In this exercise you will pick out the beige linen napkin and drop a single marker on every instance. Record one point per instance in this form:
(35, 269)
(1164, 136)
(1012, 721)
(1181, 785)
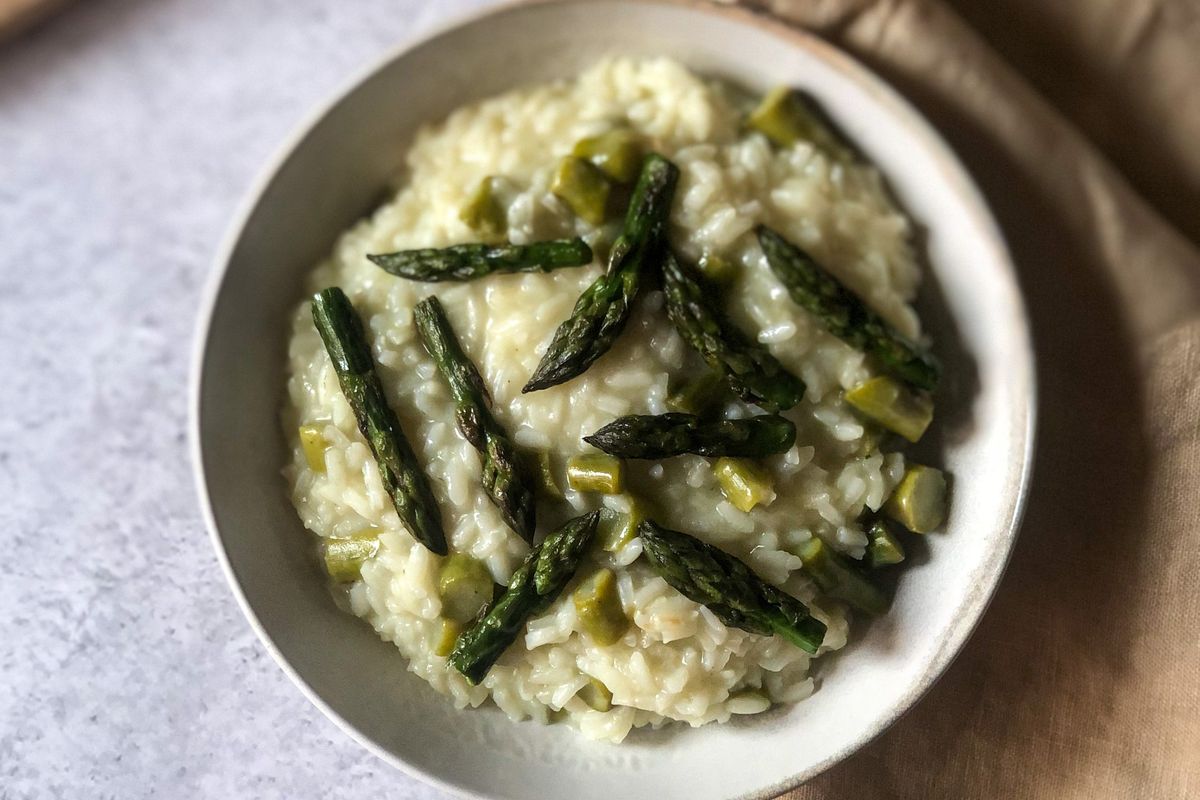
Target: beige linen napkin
(17, 15)
(1083, 680)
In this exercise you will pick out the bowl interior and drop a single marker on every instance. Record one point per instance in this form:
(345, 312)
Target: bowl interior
(335, 173)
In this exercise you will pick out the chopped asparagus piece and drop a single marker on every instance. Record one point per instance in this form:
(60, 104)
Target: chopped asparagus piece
(598, 605)
(617, 153)
(883, 548)
(485, 211)
(582, 186)
(893, 405)
(729, 588)
(619, 528)
(844, 314)
(344, 557)
(666, 435)
(718, 270)
(466, 262)
(596, 695)
(543, 471)
(919, 501)
(838, 579)
(342, 332)
(465, 586)
(786, 116)
(595, 472)
(698, 394)
(534, 587)
(743, 483)
(448, 631)
(313, 443)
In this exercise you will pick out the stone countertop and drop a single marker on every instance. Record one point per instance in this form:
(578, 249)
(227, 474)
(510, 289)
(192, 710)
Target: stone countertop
(129, 131)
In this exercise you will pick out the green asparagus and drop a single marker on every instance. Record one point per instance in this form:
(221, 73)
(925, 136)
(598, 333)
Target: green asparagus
(596, 695)
(465, 262)
(535, 585)
(595, 472)
(619, 528)
(617, 153)
(844, 314)
(598, 607)
(699, 393)
(344, 557)
(883, 548)
(753, 373)
(744, 483)
(718, 271)
(506, 477)
(893, 405)
(837, 578)
(485, 212)
(465, 586)
(786, 116)
(541, 463)
(919, 501)
(728, 587)
(314, 445)
(666, 435)
(604, 307)
(342, 332)
(583, 187)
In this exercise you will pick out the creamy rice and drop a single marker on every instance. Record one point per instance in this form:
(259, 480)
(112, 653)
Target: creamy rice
(676, 661)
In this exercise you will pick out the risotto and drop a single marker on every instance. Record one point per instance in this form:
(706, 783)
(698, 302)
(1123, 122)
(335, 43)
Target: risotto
(670, 657)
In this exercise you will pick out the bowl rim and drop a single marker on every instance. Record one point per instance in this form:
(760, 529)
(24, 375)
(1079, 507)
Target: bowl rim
(882, 92)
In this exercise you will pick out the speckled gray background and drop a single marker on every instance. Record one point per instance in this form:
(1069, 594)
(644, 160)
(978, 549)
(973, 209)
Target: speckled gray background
(129, 131)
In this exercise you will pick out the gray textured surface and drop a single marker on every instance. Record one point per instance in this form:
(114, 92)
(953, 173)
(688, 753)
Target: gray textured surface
(128, 133)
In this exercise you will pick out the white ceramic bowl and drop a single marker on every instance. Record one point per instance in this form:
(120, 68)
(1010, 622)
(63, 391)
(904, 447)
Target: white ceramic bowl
(333, 172)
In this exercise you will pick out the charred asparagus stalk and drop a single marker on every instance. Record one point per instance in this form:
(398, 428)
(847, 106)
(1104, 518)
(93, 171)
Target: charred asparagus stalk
(466, 262)
(753, 373)
(533, 588)
(604, 307)
(342, 332)
(728, 587)
(506, 478)
(844, 314)
(666, 435)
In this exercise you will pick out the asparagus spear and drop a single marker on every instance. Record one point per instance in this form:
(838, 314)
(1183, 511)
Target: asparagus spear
(342, 332)
(533, 588)
(506, 478)
(666, 435)
(753, 373)
(560, 554)
(604, 307)
(465, 262)
(846, 316)
(728, 587)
